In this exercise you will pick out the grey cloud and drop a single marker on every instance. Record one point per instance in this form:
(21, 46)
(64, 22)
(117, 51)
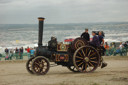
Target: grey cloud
(63, 11)
(5, 1)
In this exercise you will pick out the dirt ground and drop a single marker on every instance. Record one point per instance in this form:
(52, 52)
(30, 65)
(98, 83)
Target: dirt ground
(116, 73)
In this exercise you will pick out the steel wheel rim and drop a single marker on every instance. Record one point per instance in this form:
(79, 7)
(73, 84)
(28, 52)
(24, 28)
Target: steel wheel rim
(86, 59)
(29, 65)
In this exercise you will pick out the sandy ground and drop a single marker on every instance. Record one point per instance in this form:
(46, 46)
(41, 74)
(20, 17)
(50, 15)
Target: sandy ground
(15, 73)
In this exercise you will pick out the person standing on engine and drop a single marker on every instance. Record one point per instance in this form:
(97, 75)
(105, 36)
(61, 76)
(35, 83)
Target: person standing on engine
(95, 43)
(101, 41)
(101, 38)
(95, 40)
(86, 35)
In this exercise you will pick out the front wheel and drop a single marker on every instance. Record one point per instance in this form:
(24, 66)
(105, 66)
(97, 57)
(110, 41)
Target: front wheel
(40, 65)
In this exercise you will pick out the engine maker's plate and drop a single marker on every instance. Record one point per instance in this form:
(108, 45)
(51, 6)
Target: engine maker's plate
(62, 47)
(62, 57)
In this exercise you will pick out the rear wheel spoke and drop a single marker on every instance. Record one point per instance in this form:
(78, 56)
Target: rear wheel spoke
(80, 64)
(89, 53)
(86, 51)
(79, 57)
(83, 52)
(93, 61)
(92, 54)
(91, 64)
(93, 58)
(86, 66)
(78, 60)
(80, 54)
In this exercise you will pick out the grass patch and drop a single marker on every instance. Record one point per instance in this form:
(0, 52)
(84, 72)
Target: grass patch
(95, 84)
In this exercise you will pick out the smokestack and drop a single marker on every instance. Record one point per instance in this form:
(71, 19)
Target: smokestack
(40, 33)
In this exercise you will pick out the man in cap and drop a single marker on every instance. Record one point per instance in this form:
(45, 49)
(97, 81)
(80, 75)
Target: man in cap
(86, 35)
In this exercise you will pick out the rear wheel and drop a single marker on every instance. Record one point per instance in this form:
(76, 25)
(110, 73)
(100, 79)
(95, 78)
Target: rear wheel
(40, 65)
(86, 59)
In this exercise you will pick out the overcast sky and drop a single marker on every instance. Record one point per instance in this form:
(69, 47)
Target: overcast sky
(63, 11)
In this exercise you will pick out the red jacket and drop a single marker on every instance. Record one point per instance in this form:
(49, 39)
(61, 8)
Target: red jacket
(28, 50)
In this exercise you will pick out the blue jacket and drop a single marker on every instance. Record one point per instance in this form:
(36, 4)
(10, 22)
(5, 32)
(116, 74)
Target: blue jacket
(32, 52)
(95, 41)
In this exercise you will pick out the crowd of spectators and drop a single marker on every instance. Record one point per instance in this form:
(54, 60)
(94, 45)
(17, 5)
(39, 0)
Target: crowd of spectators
(114, 49)
(18, 53)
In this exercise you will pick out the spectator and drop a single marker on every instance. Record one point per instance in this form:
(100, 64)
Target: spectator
(32, 52)
(0, 56)
(117, 51)
(11, 54)
(28, 52)
(125, 45)
(21, 52)
(106, 46)
(16, 53)
(121, 47)
(6, 54)
(125, 49)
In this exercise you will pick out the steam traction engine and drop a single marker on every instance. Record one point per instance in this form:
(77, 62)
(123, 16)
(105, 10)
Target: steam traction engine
(78, 56)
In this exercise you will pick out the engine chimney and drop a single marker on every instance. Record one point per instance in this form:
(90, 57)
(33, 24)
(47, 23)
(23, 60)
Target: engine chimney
(40, 36)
